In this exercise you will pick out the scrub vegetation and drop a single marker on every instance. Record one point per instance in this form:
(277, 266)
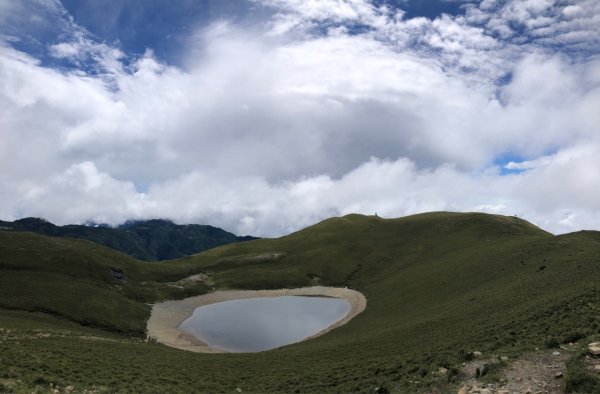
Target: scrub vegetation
(439, 286)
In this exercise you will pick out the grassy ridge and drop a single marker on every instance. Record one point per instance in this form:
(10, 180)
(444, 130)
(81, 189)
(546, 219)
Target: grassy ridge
(438, 286)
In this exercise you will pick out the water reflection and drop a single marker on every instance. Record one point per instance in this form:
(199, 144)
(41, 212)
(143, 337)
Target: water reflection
(256, 324)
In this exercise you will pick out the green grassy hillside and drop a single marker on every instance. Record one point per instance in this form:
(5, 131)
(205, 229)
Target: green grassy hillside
(438, 286)
(84, 282)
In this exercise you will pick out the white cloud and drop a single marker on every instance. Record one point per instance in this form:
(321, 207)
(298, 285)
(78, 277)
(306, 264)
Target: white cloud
(306, 14)
(542, 23)
(572, 10)
(105, 58)
(273, 128)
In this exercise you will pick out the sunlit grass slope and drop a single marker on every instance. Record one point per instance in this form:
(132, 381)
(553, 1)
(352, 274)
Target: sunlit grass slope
(438, 286)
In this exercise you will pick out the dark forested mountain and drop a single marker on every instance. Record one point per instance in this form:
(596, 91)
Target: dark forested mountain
(149, 240)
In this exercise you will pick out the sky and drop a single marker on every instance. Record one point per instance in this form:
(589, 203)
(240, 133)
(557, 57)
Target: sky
(265, 116)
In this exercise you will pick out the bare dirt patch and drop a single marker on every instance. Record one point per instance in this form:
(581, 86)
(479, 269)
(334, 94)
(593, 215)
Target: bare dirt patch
(166, 317)
(192, 280)
(539, 372)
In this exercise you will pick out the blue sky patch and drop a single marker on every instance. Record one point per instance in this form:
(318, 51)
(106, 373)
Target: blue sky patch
(427, 8)
(503, 159)
(163, 26)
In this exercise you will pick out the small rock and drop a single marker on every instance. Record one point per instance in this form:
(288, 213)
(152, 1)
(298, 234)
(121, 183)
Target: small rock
(485, 391)
(463, 390)
(69, 389)
(239, 390)
(442, 370)
(477, 354)
(558, 375)
(594, 348)
(528, 391)
(555, 353)
(504, 358)
(597, 367)
(503, 391)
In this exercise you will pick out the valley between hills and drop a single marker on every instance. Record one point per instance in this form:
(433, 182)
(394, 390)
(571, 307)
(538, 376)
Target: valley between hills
(456, 302)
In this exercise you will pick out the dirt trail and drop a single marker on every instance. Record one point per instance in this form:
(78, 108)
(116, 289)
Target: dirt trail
(539, 372)
(166, 317)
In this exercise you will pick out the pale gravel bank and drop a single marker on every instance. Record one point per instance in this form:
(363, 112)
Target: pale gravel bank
(166, 317)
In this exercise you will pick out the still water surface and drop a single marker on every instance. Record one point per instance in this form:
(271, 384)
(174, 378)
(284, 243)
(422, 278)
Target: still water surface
(257, 324)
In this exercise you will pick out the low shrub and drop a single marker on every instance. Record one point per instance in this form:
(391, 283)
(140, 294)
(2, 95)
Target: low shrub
(552, 343)
(580, 381)
(573, 336)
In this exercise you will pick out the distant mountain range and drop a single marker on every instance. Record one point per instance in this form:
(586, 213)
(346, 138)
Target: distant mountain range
(149, 240)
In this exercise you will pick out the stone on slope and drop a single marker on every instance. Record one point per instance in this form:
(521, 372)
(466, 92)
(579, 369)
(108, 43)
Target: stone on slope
(594, 348)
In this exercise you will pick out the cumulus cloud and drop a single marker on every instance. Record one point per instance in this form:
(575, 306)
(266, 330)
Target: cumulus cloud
(322, 109)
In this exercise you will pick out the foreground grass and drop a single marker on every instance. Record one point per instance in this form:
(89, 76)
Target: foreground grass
(438, 287)
(579, 378)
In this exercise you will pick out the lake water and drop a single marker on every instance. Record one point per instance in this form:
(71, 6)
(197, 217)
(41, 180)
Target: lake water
(257, 324)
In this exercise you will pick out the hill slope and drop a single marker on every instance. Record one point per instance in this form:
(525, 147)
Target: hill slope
(438, 285)
(149, 240)
(83, 281)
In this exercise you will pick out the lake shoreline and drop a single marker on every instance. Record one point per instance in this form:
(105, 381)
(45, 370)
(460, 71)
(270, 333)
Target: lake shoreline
(166, 317)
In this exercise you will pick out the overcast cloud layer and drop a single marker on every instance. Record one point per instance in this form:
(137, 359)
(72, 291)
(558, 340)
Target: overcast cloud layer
(316, 109)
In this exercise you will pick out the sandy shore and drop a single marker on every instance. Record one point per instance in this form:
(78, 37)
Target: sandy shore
(166, 317)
